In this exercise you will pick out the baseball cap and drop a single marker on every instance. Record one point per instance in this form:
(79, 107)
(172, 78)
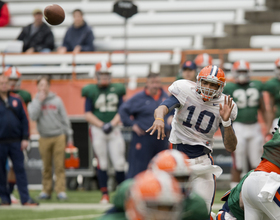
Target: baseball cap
(37, 11)
(189, 65)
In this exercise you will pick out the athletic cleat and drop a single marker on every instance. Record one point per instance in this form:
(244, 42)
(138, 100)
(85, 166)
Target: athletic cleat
(105, 199)
(14, 200)
(5, 204)
(31, 202)
(43, 196)
(61, 196)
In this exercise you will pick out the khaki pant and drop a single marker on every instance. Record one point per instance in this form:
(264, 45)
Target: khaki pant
(52, 149)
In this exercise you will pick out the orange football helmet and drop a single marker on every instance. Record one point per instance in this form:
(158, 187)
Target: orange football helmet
(202, 60)
(12, 73)
(175, 163)
(154, 195)
(277, 68)
(103, 73)
(240, 70)
(212, 74)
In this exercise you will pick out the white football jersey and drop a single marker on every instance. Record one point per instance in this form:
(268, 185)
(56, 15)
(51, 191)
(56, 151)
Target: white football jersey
(195, 121)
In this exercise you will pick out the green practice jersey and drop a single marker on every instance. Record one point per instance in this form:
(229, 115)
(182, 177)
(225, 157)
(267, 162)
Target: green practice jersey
(24, 95)
(194, 207)
(273, 87)
(271, 149)
(247, 98)
(233, 199)
(105, 101)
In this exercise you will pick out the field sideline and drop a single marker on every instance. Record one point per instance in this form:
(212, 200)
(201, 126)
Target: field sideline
(80, 205)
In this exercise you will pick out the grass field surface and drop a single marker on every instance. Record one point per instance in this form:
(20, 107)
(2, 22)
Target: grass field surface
(80, 205)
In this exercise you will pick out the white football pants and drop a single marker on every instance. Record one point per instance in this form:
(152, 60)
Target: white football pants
(255, 209)
(204, 185)
(249, 145)
(105, 145)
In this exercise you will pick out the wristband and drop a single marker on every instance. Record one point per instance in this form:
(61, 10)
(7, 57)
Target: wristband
(160, 119)
(226, 123)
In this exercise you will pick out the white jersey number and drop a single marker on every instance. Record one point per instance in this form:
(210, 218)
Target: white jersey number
(246, 98)
(199, 120)
(107, 103)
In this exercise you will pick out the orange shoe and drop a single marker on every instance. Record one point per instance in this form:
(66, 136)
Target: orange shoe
(30, 202)
(105, 199)
(14, 200)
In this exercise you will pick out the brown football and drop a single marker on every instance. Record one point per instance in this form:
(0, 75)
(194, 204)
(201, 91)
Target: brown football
(54, 14)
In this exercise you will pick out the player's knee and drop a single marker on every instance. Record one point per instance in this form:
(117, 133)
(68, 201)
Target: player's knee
(119, 166)
(102, 165)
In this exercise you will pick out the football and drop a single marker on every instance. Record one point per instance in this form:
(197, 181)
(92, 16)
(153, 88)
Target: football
(54, 14)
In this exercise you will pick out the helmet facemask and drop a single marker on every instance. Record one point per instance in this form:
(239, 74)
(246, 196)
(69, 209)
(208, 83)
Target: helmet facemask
(277, 72)
(103, 79)
(241, 76)
(208, 94)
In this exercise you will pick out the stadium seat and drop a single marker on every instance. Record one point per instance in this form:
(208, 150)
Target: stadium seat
(263, 41)
(254, 56)
(143, 6)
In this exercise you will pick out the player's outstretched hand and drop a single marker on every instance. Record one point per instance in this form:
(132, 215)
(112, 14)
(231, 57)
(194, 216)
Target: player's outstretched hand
(158, 126)
(225, 110)
(107, 128)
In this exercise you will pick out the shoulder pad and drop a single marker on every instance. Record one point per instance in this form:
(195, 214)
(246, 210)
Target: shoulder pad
(88, 90)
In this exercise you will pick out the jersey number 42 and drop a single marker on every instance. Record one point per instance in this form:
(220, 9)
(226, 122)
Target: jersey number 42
(107, 102)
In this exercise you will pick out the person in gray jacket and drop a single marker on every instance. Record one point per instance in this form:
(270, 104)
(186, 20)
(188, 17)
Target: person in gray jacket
(53, 125)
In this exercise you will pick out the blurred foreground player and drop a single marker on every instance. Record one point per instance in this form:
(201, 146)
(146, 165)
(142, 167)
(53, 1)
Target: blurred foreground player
(247, 94)
(14, 81)
(14, 135)
(261, 189)
(101, 111)
(176, 164)
(200, 109)
(150, 195)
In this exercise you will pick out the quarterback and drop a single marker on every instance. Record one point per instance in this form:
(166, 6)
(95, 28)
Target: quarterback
(101, 111)
(200, 109)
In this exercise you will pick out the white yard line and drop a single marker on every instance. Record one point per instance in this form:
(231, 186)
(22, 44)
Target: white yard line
(73, 217)
(68, 206)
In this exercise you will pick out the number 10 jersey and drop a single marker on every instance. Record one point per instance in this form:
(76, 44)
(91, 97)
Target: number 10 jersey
(195, 121)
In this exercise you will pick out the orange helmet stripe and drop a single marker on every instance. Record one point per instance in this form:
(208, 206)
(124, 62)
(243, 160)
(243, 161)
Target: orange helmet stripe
(12, 73)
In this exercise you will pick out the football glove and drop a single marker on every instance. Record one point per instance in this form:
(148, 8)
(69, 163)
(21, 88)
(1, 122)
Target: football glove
(107, 128)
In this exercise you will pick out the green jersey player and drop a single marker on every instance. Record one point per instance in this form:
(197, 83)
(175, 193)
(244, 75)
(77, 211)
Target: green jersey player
(233, 208)
(272, 86)
(101, 111)
(248, 96)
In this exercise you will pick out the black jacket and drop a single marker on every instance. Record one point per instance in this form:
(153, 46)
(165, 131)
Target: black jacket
(43, 38)
(14, 122)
